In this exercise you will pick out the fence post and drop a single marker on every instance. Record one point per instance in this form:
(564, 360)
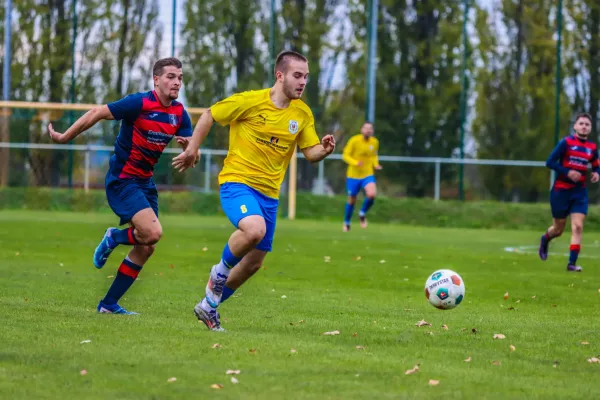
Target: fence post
(207, 172)
(437, 181)
(321, 179)
(86, 174)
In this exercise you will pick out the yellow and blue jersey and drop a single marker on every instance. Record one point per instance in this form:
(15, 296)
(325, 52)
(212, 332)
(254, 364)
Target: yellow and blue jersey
(262, 138)
(358, 149)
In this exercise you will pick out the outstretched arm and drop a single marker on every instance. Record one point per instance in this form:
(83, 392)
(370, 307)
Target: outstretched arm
(189, 157)
(319, 151)
(85, 122)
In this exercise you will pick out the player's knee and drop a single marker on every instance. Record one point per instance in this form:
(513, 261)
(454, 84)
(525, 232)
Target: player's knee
(577, 228)
(372, 195)
(256, 232)
(351, 200)
(152, 235)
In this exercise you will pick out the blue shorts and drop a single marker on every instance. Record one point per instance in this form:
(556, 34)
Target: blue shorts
(126, 197)
(239, 200)
(353, 185)
(568, 201)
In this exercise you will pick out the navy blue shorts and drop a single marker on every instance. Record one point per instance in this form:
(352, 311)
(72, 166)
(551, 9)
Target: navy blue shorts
(239, 200)
(568, 201)
(354, 185)
(126, 197)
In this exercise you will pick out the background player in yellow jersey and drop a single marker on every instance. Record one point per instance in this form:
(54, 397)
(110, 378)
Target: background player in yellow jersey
(360, 153)
(265, 127)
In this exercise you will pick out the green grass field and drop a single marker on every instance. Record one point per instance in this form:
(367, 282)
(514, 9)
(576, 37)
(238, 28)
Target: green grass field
(371, 291)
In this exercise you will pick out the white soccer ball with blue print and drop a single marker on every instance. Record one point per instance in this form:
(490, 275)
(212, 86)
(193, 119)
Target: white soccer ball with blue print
(445, 289)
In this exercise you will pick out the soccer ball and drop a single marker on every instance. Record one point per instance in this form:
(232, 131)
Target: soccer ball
(445, 289)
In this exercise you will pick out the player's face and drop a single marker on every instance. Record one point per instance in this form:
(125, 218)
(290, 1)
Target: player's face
(169, 82)
(295, 78)
(367, 130)
(582, 127)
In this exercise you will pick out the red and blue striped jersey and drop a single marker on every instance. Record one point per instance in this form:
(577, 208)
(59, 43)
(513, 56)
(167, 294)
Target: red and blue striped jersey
(147, 128)
(572, 153)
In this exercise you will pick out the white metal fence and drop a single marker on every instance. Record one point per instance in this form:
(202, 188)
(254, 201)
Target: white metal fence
(208, 154)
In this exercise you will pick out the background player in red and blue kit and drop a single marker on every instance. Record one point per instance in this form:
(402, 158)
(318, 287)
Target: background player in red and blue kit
(569, 195)
(149, 121)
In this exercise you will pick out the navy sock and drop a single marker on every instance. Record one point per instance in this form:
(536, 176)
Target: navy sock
(124, 236)
(348, 213)
(368, 203)
(126, 275)
(227, 292)
(229, 259)
(574, 253)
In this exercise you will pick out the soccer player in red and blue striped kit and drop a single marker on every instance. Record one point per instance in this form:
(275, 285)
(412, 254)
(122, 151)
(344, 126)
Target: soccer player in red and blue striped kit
(569, 194)
(149, 121)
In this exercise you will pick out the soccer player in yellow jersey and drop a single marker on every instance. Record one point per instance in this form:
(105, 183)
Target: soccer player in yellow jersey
(265, 127)
(360, 154)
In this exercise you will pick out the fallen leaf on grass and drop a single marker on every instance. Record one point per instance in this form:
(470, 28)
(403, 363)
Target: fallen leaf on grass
(518, 301)
(533, 297)
(357, 258)
(555, 364)
(584, 343)
(468, 359)
(510, 308)
(496, 362)
(434, 382)
(83, 372)
(332, 333)
(216, 345)
(474, 330)
(327, 259)
(233, 372)
(252, 351)
(234, 380)
(110, 276)
(17, 253)
(354, 334)
(445, 327)
(512, 348)
(594, 360)
(499, 336)
(506, 296)
(171, 266)
(173, 379)
(293, 351)
(284, 297)
(423, 323)
(205, 249)
(360, 348)
(85, 341)
(216, 386)
(383, 262)
(412, 370)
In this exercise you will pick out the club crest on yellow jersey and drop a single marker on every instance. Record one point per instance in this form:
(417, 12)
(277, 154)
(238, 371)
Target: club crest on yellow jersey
(293, 127)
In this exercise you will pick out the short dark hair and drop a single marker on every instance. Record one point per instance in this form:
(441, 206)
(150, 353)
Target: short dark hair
(584, 115)
(157, 69)
(369, 123)
(283, 59)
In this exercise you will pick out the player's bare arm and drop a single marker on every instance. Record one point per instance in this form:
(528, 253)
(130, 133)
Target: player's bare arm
(191, 154)
(85, 122)
(320, 151)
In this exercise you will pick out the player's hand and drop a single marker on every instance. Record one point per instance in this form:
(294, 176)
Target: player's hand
(595, 177)
(378, 167)
(574, 175)
(187, 159)
(56, 137)
(183, 141)
(328, 143)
